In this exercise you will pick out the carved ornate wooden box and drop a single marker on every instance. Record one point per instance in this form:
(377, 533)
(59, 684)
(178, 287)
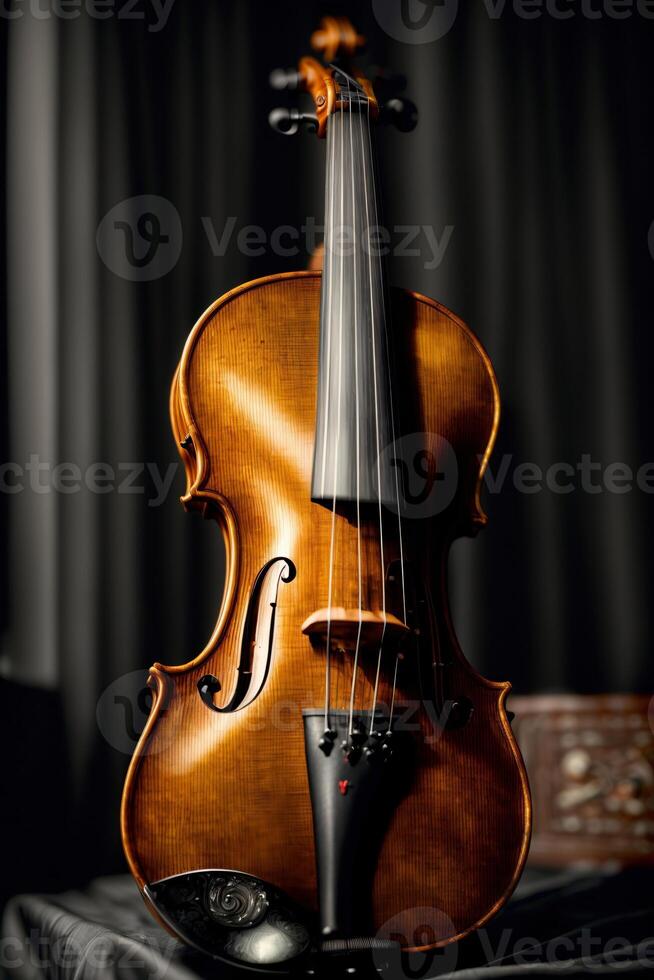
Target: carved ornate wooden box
(590, 761)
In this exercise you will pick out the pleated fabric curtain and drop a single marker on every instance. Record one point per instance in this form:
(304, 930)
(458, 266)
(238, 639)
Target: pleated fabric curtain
(533, 149)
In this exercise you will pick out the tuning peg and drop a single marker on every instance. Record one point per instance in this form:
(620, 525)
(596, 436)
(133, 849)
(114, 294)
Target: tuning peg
(288, 121)
(284, 78)
(402, 113)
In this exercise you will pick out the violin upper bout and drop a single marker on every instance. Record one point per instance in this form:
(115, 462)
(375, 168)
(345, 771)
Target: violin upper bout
(454, 406)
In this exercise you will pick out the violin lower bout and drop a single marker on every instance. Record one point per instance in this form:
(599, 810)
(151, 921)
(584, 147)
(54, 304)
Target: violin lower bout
(230, 790)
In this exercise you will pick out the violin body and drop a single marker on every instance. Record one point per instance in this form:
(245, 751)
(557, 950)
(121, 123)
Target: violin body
(231, 789)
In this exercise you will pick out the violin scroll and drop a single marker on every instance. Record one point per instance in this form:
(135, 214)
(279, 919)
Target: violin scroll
(335, 87)
(336, 37)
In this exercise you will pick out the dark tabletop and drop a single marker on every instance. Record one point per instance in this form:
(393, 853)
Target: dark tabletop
(565, 924)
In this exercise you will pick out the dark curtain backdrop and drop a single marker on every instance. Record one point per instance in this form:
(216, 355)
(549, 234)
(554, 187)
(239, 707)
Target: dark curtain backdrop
(534, 144)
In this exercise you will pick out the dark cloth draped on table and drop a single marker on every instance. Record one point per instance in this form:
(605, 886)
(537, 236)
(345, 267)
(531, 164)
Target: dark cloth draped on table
(571, 924)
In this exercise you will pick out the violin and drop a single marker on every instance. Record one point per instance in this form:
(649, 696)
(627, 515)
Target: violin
(329, 779)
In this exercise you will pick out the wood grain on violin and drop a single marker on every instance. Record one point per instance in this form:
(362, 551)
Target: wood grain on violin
(231, 791)
(330, 766)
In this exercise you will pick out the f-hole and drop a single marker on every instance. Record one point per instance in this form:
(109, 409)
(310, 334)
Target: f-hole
(256, 642)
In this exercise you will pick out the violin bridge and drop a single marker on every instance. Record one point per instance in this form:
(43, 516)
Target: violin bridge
(346, 625)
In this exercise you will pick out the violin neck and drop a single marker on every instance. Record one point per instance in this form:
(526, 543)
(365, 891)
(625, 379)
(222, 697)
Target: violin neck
(354, 419)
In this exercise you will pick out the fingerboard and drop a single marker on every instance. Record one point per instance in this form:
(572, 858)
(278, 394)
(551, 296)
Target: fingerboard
(354, 421)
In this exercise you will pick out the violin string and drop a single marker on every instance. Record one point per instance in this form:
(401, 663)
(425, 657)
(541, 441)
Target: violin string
(357, 413)
(379, 483)
(342, 321)
(342, 185)
(338, 429)
(328, 263)
(393, 437)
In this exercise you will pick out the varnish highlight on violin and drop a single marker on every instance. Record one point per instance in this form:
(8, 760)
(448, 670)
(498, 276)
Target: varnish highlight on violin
(330, 765)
